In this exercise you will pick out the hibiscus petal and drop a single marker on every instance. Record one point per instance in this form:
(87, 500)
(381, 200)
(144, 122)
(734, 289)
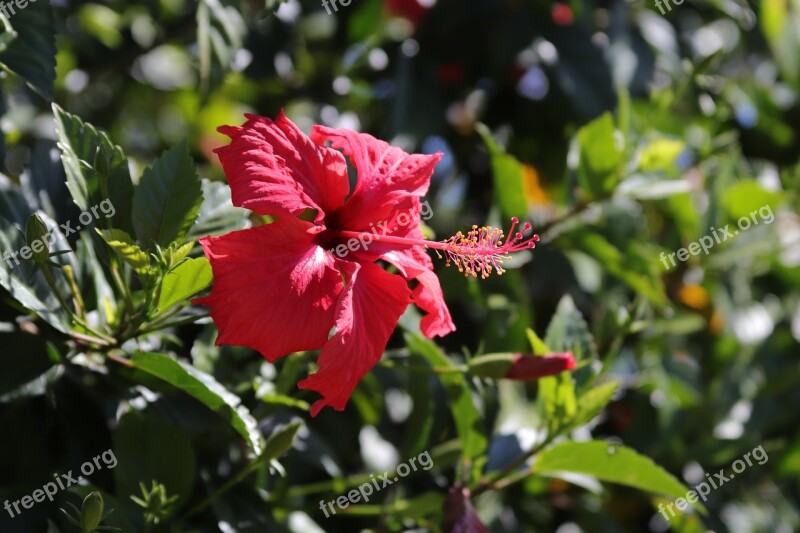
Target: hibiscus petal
(367, 313)
(386, 175)
(417, 264)
(274, 289)
(274, 169)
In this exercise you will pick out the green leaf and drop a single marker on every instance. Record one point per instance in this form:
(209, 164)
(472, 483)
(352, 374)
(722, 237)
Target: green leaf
(285, 401)
(220, 34)
(167, 199)
(32, 54)
(177, 253)
(7, 36)
(281, 441)
(592, 403)
(203, 388)
(421, 417)
(612, 463)
(556, 401)
(780, 20)
(537, 345)
(124, 246)
(79, 143)
(465, 413)
(365, 19)
(106, 303)
(508, 176)
(36, 233)
(601, 157)
(148, 449)
(745, 198)
(16, 276)
(619, 265)
(660, 155)
(186, 280)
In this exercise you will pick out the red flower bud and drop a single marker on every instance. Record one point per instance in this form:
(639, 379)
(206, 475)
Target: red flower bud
(526, 367)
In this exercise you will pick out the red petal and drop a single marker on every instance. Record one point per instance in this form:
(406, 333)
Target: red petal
(274, 169)
(367, 313)
(531, 367)
(274, 289)
(386, 176)
(416, 264)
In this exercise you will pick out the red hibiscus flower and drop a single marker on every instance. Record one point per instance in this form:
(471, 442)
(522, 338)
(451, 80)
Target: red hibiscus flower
(284, 287)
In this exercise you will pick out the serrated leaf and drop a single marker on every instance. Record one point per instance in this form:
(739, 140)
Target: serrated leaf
(32, 54)
(79, 142)
(220, 34)
(186, 280)
(507, 174)
(204, 388)
(125, 247)
(175, 253)
(610, 462)
(167, 199)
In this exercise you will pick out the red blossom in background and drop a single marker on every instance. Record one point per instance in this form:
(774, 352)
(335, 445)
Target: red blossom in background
(413, 10)
(562, 14)
(526, 367)
(279, 289)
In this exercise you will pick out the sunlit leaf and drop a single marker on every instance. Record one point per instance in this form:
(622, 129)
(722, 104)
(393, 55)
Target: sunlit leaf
(203, 388)
(167, 199)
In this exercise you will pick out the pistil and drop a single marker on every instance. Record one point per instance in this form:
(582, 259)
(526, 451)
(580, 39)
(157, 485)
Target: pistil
(480, 252)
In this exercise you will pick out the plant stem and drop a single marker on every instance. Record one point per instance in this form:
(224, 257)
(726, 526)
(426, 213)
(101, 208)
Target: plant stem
(504, 477)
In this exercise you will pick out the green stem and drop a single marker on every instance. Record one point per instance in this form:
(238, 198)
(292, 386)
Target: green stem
(51, 282)
(509, 474)
(156, 326)
(238, 478)
(461, 369)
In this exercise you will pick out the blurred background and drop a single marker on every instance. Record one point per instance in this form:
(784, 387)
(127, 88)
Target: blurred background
(621, 132)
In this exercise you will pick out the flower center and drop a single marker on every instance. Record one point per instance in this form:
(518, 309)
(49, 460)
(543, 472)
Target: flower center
(480, 252)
